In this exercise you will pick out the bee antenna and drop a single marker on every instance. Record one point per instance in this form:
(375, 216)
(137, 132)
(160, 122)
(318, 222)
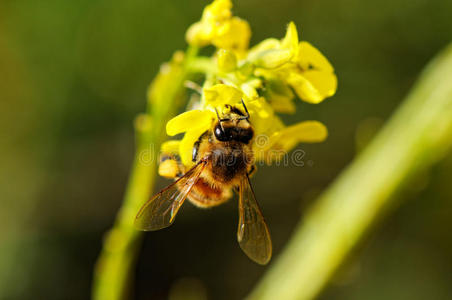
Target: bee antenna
(218, 115)
(246, 110)
(219, 120)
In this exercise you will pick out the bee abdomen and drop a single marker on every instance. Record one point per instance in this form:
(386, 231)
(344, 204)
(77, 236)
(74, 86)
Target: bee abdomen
(204, 194)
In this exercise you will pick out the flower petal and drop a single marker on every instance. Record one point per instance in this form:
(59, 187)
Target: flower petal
(313, 86)
(262, 117)
(279, 96)
(190, 120)
(217, 11)
(303, 132)
(290, 41)
(272, 58)
(221, 94)
(310, 57)
(170, 147)
(259, 107)
(187, 143)
(195, 36)
(266, 44)
(234, 34)
(282, 104)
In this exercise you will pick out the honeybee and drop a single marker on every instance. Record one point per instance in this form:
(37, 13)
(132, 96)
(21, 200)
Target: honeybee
(223, 161)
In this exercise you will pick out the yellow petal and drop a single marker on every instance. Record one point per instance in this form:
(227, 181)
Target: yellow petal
(265, 137)
(215, 16)
(262, 117)
(303, 132)
(233, 34)
(272, 53)
(313, 86)
(221, 94)
(266, 44)
(196, 35)
(290, 41)
(280, 96)
(272, 58)
(187, 143)
(259, 107)
(282, 104)
(170, 147)
(190, 120)
(249, 91)
(218, 10)
(310, 57)
(269, 54)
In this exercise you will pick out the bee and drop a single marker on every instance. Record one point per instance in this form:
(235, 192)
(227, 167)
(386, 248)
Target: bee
(223, 161)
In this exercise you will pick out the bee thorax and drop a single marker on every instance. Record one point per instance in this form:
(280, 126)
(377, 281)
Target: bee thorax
(229, 162)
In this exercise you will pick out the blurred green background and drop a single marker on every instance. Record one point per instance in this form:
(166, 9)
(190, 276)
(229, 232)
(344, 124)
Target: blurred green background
(73, 75)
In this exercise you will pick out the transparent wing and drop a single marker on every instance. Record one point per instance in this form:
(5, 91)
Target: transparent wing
(252, 234)
(160, 211)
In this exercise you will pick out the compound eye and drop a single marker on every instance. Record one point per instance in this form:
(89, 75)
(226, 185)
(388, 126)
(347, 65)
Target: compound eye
(221, 134)
(246, 135)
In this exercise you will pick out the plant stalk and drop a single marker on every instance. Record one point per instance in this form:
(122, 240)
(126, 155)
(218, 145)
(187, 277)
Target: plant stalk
(114, 267)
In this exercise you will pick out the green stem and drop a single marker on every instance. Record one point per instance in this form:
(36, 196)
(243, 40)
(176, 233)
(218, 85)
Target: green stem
(203, 65)
(419, 134)
(115, 264)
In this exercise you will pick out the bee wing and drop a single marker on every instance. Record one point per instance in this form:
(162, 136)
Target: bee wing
(160, 211)
(252, 235)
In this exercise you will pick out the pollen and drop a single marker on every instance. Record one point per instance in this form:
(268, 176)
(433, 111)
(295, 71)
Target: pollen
(169, 168)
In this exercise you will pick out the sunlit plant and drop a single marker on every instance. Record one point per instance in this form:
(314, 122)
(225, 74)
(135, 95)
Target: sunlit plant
(233, 123)
(236, 107)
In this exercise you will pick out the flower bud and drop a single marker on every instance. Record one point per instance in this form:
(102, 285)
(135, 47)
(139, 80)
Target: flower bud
(226, 60)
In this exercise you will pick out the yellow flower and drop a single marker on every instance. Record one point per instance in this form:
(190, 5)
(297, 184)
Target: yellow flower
(299, 65)
(266, 77)
(272, 147)
(303, 132)
(194, 123)
(272, 137)
(250, 87)
(279, 95)
(219, 28)
(272, 53)
(234, 34)
(262, 116)
(311, 75)
(219, 95)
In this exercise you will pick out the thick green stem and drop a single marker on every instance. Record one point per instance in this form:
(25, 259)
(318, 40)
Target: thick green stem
(117, 259)
(418, 134)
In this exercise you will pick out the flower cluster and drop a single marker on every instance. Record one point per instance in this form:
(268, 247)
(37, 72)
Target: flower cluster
(267, 77)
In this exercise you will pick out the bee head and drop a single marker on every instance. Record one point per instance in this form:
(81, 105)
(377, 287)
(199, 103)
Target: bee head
(234, 133)
(234, 126)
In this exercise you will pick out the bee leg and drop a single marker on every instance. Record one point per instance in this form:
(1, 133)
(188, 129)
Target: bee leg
(252, 170)
(170, 166)
(194, 154)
